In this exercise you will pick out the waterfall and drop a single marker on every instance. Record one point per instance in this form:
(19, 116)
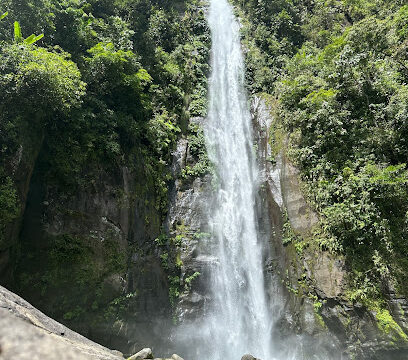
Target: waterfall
(237, 320)
(237, 313)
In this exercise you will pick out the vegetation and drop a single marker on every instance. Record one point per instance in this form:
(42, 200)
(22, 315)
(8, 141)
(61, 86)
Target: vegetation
(171, 248)
(338, 69)
(131, 75)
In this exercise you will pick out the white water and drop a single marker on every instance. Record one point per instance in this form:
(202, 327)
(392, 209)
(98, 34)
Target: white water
(238, 320)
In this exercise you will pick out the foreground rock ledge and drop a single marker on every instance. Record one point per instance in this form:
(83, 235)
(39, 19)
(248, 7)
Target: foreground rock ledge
(28, 334)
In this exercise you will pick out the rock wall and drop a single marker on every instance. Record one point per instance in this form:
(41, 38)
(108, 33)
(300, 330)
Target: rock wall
(102, 260)
(314, 282)
(88, 258)
(187, 220)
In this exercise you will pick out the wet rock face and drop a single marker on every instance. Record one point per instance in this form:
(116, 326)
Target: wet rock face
(187, 220)
(330, 274)
(302, 218)
(338, 330)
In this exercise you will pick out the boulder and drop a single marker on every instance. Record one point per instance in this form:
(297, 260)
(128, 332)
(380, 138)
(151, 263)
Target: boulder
(176, 357)
(145, 353)
(248, 357)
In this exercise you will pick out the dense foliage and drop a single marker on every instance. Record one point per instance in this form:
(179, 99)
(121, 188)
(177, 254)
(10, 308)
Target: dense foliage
(111, 83)
(339, 70)
(37, 88)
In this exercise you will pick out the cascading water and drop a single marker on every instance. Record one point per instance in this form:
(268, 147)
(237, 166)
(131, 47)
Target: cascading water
(237, 319)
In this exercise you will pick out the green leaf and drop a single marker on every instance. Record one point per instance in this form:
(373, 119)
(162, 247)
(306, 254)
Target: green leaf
(3, 15)
(33, 38)
(30, 39)
(17, 32)
(38, 37)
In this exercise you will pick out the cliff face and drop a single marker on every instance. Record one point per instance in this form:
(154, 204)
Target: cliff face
(78, 256)
(82, 255)
(187, 222)
(100, 259)
(314, 282)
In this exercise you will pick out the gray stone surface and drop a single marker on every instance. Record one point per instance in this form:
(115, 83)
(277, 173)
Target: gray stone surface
(108, 218)
(28, 334)
(145, 353)
(187, 211)
(301, 217)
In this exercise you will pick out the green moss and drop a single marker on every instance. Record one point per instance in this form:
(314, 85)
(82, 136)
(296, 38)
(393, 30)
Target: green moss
(174, 289)
(290, 237)
(201, 235)
(165, 260)
(320, 320)
(178, 262)
(385, 321)
(79, 263)
(118, 308)
(70, 315)
(276, 132)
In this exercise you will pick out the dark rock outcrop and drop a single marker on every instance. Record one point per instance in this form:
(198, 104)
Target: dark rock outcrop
(248, 357)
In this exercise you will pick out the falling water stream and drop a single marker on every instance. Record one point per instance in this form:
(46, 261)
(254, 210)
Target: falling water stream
(238, 320)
